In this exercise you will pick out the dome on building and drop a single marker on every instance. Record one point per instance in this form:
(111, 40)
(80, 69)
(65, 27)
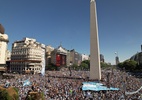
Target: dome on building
(1, 29)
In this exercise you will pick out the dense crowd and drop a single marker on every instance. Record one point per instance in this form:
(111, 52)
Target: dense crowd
(67, 85)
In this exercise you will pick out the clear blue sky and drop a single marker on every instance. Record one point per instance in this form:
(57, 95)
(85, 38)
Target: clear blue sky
(68, 21)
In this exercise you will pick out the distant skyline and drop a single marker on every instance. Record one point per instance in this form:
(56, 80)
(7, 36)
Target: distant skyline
(52, 22)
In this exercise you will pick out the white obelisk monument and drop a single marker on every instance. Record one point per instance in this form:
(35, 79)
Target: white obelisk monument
(95, 69)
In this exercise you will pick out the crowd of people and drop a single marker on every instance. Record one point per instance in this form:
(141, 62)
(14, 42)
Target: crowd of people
(67, 85)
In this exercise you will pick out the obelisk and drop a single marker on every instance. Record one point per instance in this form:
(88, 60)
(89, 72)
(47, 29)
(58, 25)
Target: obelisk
(95, 70)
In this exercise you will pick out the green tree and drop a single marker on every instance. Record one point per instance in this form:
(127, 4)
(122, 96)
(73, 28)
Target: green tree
(87, 62)
(120, 65)
(84, 65)
(74, 66)
(104, 65)
(130, 65)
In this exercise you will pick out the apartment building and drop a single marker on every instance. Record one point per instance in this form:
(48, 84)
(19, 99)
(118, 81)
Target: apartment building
(48, 50)
(75, 57)
(3, 48)
(27, 56)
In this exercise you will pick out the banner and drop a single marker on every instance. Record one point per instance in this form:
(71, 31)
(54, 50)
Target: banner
(94, 86)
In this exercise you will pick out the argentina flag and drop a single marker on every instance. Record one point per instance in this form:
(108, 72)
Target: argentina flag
(43, 60)
(26, 83)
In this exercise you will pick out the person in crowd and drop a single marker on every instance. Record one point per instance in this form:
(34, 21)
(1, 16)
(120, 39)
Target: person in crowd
(60, 85)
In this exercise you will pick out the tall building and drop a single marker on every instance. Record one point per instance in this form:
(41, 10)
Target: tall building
(27, 56)
(48, 51)
(117, 60)
(102, 58)
(69, 62)
(95, 69)
(3, 48)
(75, 57)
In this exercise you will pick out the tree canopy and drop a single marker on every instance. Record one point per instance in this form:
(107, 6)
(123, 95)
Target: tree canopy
(128, 65)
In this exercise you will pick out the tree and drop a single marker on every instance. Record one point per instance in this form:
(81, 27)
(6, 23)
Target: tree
(104, 65)
(74, 66)
(130, 65)
(87, 62)
(84, 65)
(120, 65)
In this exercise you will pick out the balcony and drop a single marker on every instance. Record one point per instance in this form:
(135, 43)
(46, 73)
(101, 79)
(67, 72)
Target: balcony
(5, 40)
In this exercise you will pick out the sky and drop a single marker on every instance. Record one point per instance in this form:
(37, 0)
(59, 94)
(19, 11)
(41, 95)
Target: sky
(67, 22)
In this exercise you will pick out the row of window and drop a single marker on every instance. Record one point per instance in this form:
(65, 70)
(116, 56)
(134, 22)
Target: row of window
(25, 58)
(25, 52)
(23, 69)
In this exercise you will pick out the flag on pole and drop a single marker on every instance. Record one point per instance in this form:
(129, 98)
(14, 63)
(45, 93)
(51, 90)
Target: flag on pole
(43, 60)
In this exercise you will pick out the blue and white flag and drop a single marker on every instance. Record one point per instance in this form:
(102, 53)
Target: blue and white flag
(94, 86)
(7, 84)
(43, 60)
(26, 83)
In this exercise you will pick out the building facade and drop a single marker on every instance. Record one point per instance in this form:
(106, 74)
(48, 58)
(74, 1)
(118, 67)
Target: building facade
(102, 58)
(117, 60)
(59, 56)
(3, 48)
(85, 57)
(27, 56)
(75, 57)
(48, 50)
(69, 62)
(8, 58)
(8, 55)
